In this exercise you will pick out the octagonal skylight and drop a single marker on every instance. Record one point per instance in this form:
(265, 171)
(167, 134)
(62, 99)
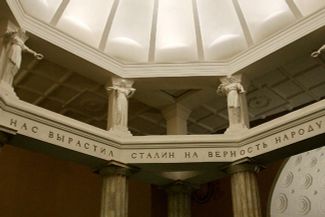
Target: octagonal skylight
(170, 31)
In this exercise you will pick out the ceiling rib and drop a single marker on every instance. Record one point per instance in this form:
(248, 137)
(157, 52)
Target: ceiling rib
(59, 12)
(300, 85)
(108, 26)
(52, 88)
(199, 41)
(153, 33)
(294, 9)
(243, 22)
(191, 120)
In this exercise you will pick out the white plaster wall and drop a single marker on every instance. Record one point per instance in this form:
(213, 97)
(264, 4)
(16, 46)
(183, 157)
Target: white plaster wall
(300, 188)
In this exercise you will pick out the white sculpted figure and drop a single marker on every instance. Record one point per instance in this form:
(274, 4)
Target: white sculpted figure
(232, 88)
(17, 45)
(121, 93)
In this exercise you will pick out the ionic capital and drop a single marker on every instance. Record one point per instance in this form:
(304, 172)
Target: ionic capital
(243, 165)
(121, 85)
(116, 168)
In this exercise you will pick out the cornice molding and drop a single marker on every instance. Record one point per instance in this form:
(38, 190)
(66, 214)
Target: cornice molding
(274, 42)
(127, 149)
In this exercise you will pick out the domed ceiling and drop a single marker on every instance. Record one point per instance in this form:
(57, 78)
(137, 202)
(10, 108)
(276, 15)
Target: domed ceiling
(167, 31)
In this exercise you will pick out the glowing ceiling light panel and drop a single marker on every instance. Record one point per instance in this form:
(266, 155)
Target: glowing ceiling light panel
(307, 7)
(41, 9)
(176, 37)
(266, 17)
(129, 36)
(221, 30)
(85, 19)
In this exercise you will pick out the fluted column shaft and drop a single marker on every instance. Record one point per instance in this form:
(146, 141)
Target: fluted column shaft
(244, 188)
(114, 200)
(179, 200)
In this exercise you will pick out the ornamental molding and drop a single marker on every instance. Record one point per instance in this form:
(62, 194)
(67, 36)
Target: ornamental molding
(58, 131)
(301, 28)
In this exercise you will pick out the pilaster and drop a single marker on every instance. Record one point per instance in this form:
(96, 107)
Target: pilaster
(119, 90)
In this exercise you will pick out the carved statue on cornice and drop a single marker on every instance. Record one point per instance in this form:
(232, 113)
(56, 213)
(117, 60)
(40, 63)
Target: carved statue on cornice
(121, 92)
(232, 88)
(15, 41)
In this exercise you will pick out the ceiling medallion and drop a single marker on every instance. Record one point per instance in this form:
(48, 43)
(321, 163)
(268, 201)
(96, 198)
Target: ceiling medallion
(259, 102)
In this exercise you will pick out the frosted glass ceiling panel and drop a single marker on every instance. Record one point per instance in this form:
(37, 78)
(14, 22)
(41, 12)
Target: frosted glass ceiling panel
(129, 36)
(85, 19)
(41, 9)
(307, 7)
(175, 39)
(221, 30)
(266, 17)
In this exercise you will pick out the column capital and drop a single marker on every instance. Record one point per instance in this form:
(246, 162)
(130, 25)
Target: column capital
(119, 82)
(238, 78)
(244, 165)
(116, 168)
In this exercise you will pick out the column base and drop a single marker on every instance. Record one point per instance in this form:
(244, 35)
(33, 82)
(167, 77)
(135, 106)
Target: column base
(236, 128)
(120, 132)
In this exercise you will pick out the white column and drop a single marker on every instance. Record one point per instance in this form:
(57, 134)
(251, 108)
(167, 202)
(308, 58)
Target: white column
(12, 44)
(119, 91)
(176, 119)
(114, 202)
(179, 199)
(244, 189)
(233, 88)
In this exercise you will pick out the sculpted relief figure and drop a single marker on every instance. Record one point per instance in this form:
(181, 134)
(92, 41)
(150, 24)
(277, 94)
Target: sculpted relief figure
(232, 88)
(121, 92)
(16, 45)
